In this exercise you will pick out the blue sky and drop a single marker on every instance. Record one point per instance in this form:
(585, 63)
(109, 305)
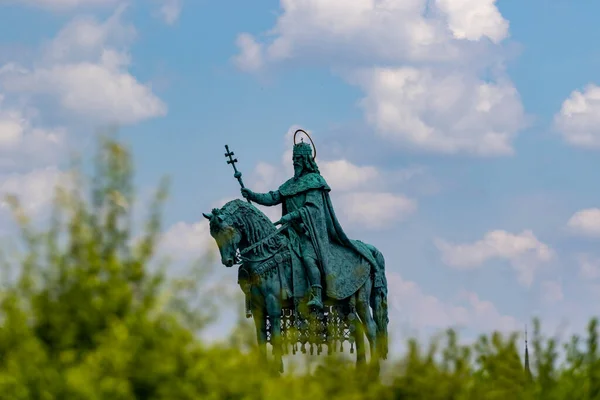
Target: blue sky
(473, 129)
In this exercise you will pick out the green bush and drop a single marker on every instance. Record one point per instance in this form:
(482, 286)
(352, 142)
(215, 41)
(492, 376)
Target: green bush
(85, 317)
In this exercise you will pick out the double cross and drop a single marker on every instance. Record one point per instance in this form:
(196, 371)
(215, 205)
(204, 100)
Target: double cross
(237, 174)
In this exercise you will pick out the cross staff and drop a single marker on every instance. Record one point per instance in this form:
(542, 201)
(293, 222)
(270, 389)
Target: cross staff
(237, 174)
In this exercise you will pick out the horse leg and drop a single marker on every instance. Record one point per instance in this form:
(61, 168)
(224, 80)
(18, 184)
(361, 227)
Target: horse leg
(359, 334)
(260, 322)
(274, 312)
(364, 313)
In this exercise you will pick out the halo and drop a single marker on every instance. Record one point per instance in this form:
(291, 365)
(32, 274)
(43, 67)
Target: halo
(311, 141)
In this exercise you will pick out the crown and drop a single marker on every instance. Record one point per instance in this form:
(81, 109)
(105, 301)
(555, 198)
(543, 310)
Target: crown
(303, 149)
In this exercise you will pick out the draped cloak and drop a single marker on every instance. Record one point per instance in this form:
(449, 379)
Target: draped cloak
(345, 263)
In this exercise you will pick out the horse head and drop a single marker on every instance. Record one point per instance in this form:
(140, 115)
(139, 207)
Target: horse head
(227, 236)
(236, 225)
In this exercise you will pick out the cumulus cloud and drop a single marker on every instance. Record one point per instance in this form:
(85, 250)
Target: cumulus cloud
(442, 89)
(96, 91)
(474, 19)
(85, 68)
(186, 241)
(336, 32)
(408, 302)
(585, 222)
(344, 176)
(35, 189)
(347, 176)
(524, 252)
(23, 143)
(578, 120)
(376, 210)
(266, 176)
(441, 111)
(170, 10)
(250, 57)
(84, 38)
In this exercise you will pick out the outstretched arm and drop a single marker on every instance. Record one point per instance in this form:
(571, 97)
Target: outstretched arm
(264, 199)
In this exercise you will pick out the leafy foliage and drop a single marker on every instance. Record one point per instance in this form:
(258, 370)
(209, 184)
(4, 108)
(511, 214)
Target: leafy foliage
(87, 318)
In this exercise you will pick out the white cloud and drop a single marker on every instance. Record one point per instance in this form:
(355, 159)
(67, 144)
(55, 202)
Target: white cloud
(22, 143)
(408, 302)
(585, 222)
(185, 241)
(85, 69)
(344, 175)
(579, 118)
(442, 88)
(589, 268)
(376, 210)
(442, 111)
(35, 189)
(375, 31)
(484, 314)
(474, 19)
(170, 10)
(85, 38)
(524, 251)
(266, 177)
(406, 298)
(551, 292)
(97, 91)
(251, 56)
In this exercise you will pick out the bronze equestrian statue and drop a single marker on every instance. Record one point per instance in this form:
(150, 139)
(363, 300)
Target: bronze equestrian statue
(306, 282)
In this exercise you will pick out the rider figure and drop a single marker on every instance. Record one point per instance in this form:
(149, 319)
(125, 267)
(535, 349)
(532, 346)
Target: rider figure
(301, 200)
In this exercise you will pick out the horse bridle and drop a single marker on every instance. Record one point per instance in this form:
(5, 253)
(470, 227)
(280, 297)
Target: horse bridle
(262, 241)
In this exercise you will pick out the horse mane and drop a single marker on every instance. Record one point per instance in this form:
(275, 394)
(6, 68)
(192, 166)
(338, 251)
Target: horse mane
(250, 219)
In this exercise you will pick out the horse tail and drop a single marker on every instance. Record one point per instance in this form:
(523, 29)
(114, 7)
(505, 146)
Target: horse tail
(379, 303)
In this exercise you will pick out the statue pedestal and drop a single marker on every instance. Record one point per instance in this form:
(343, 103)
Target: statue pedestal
(332, 327)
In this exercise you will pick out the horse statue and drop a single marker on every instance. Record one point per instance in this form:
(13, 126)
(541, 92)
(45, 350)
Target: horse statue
(272, 285)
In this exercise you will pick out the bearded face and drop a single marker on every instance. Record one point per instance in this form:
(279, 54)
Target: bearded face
(298, 161)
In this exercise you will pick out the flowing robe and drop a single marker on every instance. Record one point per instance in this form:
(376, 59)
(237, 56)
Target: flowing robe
(345, 264)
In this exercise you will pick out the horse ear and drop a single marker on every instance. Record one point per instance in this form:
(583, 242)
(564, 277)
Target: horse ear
(207, 216)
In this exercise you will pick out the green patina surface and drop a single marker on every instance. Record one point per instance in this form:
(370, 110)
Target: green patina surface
(308, 267)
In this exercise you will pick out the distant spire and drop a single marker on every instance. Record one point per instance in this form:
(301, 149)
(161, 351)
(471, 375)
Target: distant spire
(527, 370)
